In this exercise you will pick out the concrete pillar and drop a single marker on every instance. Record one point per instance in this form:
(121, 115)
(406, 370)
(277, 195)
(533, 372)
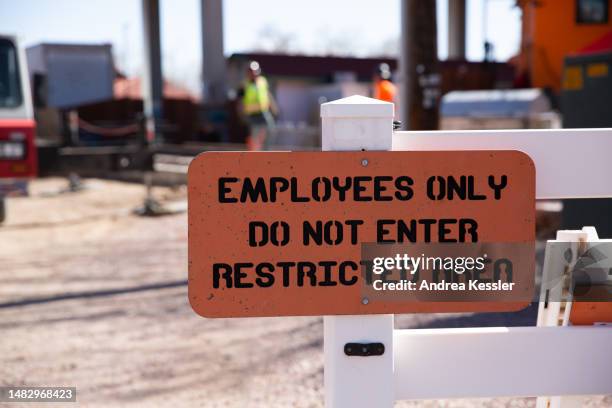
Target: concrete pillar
(151, 81)
(213, 61)
(456, 29)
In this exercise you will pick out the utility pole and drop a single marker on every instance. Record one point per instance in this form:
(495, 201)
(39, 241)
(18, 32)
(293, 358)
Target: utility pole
(420, 80)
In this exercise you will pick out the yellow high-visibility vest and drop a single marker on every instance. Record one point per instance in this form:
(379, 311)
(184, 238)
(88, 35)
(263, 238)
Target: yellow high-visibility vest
(256, 96)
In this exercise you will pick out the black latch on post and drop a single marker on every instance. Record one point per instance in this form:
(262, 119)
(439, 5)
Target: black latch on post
(364, 349)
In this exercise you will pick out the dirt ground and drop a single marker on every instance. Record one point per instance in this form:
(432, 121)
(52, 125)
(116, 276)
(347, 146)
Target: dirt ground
(95, 297)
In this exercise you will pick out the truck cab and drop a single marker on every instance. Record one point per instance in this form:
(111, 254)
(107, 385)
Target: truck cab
(18, 161)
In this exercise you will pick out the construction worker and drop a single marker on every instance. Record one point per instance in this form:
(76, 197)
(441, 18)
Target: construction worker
(257, 104)
(383, 87)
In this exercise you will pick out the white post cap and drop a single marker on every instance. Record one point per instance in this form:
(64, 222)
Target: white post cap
(357, 106)
(357, 123)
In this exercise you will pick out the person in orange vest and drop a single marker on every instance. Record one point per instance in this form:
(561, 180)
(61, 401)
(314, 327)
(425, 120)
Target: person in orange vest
(384, 89)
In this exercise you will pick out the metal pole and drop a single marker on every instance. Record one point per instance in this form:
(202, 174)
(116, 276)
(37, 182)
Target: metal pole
(152, 82)
(406, 79)
(456, 29)
(152, 93)
(419, 92)
(213, 61)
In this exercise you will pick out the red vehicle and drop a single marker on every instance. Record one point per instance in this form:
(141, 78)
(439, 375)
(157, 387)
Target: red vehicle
(17, 127)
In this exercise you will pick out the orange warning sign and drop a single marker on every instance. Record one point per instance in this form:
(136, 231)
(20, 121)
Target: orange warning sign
(283, 233)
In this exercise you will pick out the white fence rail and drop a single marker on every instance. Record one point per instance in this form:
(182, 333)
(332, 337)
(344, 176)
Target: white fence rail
(502, 362)
(570, 163)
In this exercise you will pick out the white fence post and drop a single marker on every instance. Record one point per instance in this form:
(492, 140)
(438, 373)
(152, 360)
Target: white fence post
(357, 123)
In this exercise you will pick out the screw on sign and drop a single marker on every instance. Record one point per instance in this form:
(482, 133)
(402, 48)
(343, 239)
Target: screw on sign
(283, 233)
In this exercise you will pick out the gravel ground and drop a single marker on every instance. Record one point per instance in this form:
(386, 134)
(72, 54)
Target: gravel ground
(94, 297)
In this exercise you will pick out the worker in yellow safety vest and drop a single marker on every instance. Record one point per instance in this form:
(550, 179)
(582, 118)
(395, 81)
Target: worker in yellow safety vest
(384, 89)
(257, 103)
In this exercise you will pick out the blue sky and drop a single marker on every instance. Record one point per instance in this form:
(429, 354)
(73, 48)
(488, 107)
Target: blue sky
(362, 27)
